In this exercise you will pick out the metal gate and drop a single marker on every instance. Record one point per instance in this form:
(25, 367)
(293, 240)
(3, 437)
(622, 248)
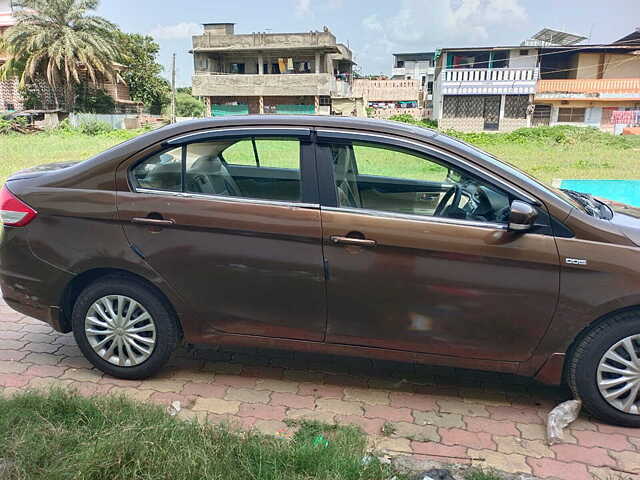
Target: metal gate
(541, 116)
(491, 112)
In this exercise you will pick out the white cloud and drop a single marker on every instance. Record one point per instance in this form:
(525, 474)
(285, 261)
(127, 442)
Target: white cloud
(308, 8)
(428, 24)
(177, 31)
(303, 8)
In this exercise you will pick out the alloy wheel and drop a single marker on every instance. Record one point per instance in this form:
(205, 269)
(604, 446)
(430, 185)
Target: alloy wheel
(618, 375)
(120, 330)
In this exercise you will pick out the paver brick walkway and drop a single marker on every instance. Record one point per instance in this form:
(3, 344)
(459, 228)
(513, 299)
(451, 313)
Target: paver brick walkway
(439, 413)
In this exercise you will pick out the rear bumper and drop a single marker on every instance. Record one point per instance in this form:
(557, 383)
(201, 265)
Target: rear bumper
(29, 285)
(50, 315)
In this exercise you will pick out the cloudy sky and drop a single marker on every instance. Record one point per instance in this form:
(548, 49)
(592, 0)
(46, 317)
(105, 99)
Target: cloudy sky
(374, 29)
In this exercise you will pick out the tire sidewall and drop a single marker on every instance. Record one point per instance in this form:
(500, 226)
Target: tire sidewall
(585, 372)
(166, 330)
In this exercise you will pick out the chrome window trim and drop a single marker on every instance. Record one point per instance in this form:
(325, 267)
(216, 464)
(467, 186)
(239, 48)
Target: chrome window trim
(417, 218)
(224, 198)
(438, 151)
(247, 130)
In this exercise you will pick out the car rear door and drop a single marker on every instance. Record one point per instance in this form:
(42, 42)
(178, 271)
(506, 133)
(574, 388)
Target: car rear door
(239, 241)
(401, 275)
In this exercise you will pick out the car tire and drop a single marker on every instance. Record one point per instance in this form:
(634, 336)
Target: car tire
(592, 371)
(141, 349)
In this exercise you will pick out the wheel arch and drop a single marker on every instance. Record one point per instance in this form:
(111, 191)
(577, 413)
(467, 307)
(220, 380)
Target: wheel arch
(82, 280)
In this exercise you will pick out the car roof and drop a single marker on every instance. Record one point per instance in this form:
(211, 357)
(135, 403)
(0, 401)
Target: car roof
(313, 121)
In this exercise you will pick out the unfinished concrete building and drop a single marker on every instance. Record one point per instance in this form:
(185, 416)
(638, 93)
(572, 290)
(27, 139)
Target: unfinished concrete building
(269, 72)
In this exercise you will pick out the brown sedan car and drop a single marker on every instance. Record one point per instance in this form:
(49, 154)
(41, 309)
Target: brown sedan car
(345, 236)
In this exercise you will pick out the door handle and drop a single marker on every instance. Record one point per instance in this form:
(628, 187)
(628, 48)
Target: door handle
(158, 222)
(360, 242)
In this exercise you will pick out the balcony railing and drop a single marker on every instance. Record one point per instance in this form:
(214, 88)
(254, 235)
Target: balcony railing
(490, 74)
(590, 87)
(488, 81)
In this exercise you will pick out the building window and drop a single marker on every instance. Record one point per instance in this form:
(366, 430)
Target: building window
(400, 64)
(524, 53)
(571, 115)
(429, 88)
(237, 68)
(325, 101)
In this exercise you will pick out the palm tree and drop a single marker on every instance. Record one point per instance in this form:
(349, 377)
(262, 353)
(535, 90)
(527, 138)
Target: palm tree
(56, 40)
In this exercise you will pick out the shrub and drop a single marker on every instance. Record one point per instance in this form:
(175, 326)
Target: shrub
(188, 106)
(8, 126)
(95, 127)
(406, 118)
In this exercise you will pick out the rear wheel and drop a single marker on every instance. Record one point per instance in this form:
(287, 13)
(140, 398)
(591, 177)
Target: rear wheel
(124, 328)
(604, 371)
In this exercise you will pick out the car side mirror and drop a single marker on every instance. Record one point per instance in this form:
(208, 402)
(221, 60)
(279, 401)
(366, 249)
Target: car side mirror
(522, 216)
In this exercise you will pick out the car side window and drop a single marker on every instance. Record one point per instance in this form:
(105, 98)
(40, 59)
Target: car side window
(379, 177)
(162, 171)
(268, 153)
(265, 169)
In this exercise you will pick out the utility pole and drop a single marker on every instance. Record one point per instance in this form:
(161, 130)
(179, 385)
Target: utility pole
(173, 90)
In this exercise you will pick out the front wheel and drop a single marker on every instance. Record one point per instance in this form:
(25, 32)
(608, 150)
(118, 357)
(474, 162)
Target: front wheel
(123, 328)
(604, 371)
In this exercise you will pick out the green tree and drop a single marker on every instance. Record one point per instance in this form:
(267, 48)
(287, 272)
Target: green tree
(139, 54)
(56, 40)
(93, 100)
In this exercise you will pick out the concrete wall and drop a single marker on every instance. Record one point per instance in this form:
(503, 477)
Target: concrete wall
(417, 113)
(523, 61)
(268, 40)
(510, 124)
(261, 85)
(119, 121)
(387, 90)
(463, 124)
(476, 124)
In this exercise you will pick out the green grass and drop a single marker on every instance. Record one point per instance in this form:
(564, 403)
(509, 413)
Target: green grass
(545, 152)
(61, 435)
(481, 474)
(18, 152)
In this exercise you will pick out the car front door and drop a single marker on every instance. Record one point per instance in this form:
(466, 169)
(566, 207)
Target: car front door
(230, 219)
(419, 258)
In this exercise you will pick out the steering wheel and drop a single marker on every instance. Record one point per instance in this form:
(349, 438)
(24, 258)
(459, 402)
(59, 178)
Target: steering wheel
(456, 192)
